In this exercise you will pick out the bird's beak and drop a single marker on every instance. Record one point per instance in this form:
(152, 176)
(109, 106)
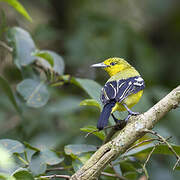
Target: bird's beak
(99, 65)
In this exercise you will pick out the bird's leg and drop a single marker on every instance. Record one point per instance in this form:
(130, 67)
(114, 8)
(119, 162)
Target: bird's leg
(120, 123)
(115, 119)
(130, 113)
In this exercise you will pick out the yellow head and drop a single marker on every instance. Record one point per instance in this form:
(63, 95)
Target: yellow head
(113, 65)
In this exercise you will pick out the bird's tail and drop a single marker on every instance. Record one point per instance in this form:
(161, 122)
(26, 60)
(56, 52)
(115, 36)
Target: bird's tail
(103, 120)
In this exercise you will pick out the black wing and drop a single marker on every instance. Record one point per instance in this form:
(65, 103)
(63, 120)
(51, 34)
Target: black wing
(119, 90)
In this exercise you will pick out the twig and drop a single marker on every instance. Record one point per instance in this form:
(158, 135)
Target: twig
(169, 146)
(144, 165)
(119, 176)
(113, 175)
(150, 154)
(68, 177)
(59, 81)
(4, 45)
(90, 133)
(59, 169)
(56, 176)
(145, 172)
(115, 128)
(55, 169)
(175, 165)
(147, 140)
(108, 174)
(22, 160)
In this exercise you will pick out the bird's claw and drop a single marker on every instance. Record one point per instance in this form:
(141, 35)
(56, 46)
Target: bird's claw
(134, 113)
(131, 114)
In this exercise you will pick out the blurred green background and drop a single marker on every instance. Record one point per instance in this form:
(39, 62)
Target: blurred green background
(145, 33)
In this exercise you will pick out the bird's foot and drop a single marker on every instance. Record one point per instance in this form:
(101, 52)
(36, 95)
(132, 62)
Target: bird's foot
(131, 113)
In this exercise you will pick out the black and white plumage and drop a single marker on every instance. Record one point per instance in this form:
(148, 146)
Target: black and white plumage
(120, 89)
(117, 91)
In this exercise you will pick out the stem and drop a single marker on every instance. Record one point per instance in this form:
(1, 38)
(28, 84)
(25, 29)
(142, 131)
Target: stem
(113, 175)
(4, 45)
(147, 140)
(22, 160)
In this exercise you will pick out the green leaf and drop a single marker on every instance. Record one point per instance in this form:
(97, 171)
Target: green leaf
(91, 87)
(41, 159)
(77, 149)
(28, 153)
(37, 165)
(4, 86)
(161, 149)
(6, 160)
(12, 146)
(76, 164)
(177, 168)
(51, 60)
(22, 45)
(19, 7)
(34, 92)
(31, 147)
(23, 174)
(90, 102)
(100, 134)
(127, 166)
(50, 157)
(6, 177)
(117, 169)
(130, 175)
(64, 106)
(45, 55)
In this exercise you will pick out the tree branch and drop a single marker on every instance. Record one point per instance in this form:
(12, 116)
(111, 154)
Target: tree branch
(126, 137)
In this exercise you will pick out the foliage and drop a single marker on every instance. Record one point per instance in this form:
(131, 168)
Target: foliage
(40, 98)
(18, 6)
(7, 90)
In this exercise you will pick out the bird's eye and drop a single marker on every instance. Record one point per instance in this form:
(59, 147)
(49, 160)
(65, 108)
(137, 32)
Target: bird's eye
(113, 63)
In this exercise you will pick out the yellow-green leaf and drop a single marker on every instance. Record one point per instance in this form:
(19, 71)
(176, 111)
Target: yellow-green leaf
(94, 130)
(19, 7)
(90, 102)
(45, 55)
(23, 174)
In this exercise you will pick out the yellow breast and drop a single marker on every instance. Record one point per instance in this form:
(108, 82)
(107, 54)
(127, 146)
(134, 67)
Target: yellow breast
(130, 101)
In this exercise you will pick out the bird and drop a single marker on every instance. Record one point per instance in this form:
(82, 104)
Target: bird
(122, 90)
